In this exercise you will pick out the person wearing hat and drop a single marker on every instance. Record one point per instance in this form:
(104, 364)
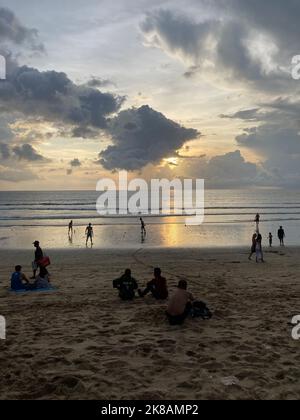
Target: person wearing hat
(38, 255)
(180, 304)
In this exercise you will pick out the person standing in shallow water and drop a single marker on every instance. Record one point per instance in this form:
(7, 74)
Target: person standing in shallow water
(281, 235)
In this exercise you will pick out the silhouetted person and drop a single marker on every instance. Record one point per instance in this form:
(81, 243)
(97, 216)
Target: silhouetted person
(281, 235)
(180, 304)
(157, 286)
(253, 246)
(257, 220)
(259, 251)
(38, 255)
(270, 240)
(126, 285)
(71, 227)
(89, 232)
(143, 227)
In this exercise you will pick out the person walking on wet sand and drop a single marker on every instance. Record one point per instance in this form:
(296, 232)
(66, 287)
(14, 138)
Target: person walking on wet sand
(89, 232)
(253, 247)
(281, 235)
(38, 255)
(71, 228)
(257, 220)
(143, 227)
(259, 251)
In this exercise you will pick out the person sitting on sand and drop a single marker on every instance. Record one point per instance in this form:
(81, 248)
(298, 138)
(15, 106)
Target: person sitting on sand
(43, 279)
(157, 286)
(18, 280)
(253, 247)
(126, 285)
(180, 304)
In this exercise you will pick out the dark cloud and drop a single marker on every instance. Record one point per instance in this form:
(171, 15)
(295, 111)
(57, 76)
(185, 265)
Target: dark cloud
(28, 153)
(178, 34)
(280, 19)
(97, 82)
(12, 30)
(151, 138)
(52, 96)
(247, 115)
(271, 139)
(85, 133)
(226, 46)
(230, 170)
(276, 139)
(4, 151)
(75, 163)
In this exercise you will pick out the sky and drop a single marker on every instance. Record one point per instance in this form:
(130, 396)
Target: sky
(162, 89)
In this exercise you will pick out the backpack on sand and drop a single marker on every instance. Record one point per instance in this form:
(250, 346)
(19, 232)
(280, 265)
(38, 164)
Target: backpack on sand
(200, 310)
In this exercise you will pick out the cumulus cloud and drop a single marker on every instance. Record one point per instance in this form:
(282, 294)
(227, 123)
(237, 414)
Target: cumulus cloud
(272, 16)
(52, 96)
(227, 47)
(12, 30)
(275, 137)
(141, 136)
(27, 152)
(229, 170)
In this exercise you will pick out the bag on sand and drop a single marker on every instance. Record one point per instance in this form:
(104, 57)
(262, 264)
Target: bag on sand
(200, 310)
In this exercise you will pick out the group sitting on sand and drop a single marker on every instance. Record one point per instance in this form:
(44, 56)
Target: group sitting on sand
(181, 303)
(19, 280)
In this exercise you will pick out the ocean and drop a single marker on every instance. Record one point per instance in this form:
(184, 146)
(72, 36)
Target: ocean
(229, 220)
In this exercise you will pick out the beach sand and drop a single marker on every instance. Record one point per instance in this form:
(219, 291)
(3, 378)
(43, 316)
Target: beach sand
(81, 342)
